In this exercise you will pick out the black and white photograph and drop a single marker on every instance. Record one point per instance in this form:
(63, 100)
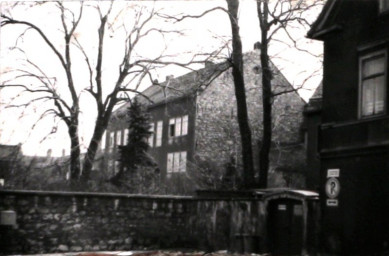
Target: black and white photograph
(194, 127)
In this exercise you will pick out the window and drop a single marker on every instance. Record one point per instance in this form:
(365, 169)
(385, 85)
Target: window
(125, 137)
(184, 125)
(384, 5)
(158, 141)
(373, 84)
(170, 162)
(118, 138)
(178, 126)
(111, 141)
(182, 165)
(176, 162)
(150, 140)
(172, 125)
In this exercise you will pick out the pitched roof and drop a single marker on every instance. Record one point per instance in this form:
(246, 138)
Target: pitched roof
(318, 92)
(197, 81)
(325, 22)
(174, 88)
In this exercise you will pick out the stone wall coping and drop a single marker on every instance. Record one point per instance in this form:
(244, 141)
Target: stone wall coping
(123, 195)
(91, 194)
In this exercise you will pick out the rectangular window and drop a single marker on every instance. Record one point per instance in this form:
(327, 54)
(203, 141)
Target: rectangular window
(384, 5)
(170, 162)
(183, 161)
(111, 141)
(150, 140)
(178, 126)
(176, 165)
(158, 142)
(176, 162)
(125, 137)
(118, 137)
(373, 84)
(172, 127)
(184, 125)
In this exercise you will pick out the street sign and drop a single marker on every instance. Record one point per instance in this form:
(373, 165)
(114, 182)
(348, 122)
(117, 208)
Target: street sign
(332, 187)
(333, 173)
(332, 202)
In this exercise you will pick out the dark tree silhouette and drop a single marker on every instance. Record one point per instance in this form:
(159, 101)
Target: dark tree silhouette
(134, 153)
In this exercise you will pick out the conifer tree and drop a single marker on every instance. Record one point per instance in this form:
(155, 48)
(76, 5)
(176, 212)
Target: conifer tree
(134, 153)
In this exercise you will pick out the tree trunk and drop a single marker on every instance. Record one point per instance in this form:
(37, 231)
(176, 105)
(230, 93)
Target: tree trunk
(240, 93)
(266, 97)
(92, 150)
(74, 154)
(267, 120)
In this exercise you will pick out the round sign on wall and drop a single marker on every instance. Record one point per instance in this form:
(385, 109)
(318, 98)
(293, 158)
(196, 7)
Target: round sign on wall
(332, 187)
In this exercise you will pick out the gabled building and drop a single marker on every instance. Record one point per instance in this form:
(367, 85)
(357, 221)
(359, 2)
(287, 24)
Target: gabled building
(354, 134)
(196, 138)
(312, 122)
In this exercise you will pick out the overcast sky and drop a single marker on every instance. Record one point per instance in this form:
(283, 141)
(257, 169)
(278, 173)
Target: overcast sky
(201, 35)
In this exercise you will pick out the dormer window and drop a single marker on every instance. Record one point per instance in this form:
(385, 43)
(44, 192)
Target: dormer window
(372, 77)
(384, 5)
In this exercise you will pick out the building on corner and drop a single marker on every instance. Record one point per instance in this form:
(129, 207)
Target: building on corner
(196, 138)
(354, 131)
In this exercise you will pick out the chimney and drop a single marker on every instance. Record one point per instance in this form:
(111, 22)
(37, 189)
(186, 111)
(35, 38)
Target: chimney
(49, 151)
(169, 78)
(208, 64)
(257, 46)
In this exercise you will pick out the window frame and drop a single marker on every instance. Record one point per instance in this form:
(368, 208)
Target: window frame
(361, 79)
(118, 138)
(178, 126)
(176, 162)
(172, 127)
(111, 141)
(158, 139)
(125, 136)
(150, 139)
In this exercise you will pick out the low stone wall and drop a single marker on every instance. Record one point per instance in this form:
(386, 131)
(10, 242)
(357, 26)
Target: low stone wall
(68, 221)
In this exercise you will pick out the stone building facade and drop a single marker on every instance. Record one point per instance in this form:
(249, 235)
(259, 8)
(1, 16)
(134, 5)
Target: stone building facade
(195, 130)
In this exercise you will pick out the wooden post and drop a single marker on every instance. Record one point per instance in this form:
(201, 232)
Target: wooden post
(304, 250)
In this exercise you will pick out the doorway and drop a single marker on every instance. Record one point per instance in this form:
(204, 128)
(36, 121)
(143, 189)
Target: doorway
(285, 226)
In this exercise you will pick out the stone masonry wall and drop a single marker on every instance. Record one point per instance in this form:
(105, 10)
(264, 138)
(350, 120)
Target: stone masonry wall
(62, 221)
(217, 132)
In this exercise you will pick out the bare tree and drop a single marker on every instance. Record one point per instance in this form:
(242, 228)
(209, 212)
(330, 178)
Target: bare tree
(131, 72)
(236, 62)
(240, 93)
(274, 17)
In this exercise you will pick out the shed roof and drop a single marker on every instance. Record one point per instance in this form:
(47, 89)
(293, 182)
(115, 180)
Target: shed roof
(275, 193)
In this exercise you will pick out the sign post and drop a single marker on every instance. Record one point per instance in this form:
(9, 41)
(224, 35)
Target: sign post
(332, 187)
